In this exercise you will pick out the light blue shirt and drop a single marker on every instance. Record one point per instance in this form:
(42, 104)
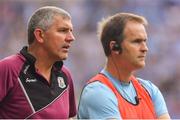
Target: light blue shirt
(99, 102)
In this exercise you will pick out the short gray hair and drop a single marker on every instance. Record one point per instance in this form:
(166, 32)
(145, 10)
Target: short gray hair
(43, 18)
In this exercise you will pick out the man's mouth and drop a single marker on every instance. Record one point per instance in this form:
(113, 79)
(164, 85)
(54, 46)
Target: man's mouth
(142, 57)
(66, 47)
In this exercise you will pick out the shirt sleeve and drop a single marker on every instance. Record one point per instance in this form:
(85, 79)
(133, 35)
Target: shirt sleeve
(98, 102)
(159, 102)
(157, 97)
(72, 100)
(2, 84)
(6, 78)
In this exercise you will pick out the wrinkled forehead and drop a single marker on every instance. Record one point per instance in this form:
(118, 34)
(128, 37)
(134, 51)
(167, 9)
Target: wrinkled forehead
(132, 26)
(135, 29)
(62, 21)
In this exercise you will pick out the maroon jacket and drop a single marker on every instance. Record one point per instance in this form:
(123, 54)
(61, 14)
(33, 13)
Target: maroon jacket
(24, 93)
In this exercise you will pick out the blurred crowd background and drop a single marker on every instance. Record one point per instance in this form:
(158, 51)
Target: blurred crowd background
(86, 56)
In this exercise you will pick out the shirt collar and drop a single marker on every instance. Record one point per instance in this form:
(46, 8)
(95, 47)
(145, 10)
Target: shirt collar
(31, 59)
(113, 79)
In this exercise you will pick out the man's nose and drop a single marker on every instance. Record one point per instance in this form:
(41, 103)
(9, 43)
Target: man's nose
(144, 47)
(70, 37)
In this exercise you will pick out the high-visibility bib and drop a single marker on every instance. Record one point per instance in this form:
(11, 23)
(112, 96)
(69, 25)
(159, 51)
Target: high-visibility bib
(144, 109)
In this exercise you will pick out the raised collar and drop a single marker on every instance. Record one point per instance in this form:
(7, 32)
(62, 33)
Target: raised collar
(31, 59)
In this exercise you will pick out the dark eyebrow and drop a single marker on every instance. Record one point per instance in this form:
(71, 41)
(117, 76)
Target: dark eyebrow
(139, 40)
(65, 28)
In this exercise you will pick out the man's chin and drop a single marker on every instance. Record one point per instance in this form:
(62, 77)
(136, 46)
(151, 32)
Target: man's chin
(64, 57)
(142, 65)
(139, 66)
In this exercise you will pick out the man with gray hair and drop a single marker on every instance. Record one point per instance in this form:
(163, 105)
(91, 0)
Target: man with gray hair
(34, 83)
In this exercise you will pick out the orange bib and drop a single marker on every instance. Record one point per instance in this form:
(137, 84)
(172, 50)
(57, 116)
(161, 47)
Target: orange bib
(143, 110)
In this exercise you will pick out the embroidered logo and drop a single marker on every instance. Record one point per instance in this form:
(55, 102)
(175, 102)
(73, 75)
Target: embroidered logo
(30, 80)
(61, 82)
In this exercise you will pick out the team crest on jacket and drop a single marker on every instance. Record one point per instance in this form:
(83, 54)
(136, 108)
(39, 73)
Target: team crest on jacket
(61, 82)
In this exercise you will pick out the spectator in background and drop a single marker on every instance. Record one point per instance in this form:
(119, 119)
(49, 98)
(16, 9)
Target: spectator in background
(34, 83)
(120, 94)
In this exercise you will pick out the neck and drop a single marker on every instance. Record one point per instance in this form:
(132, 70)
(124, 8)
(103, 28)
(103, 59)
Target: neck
(43, 63)
(118, 70)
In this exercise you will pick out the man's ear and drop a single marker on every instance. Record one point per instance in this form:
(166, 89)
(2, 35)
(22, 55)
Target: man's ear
(111, 44)
(114, 47)
(39, 35)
